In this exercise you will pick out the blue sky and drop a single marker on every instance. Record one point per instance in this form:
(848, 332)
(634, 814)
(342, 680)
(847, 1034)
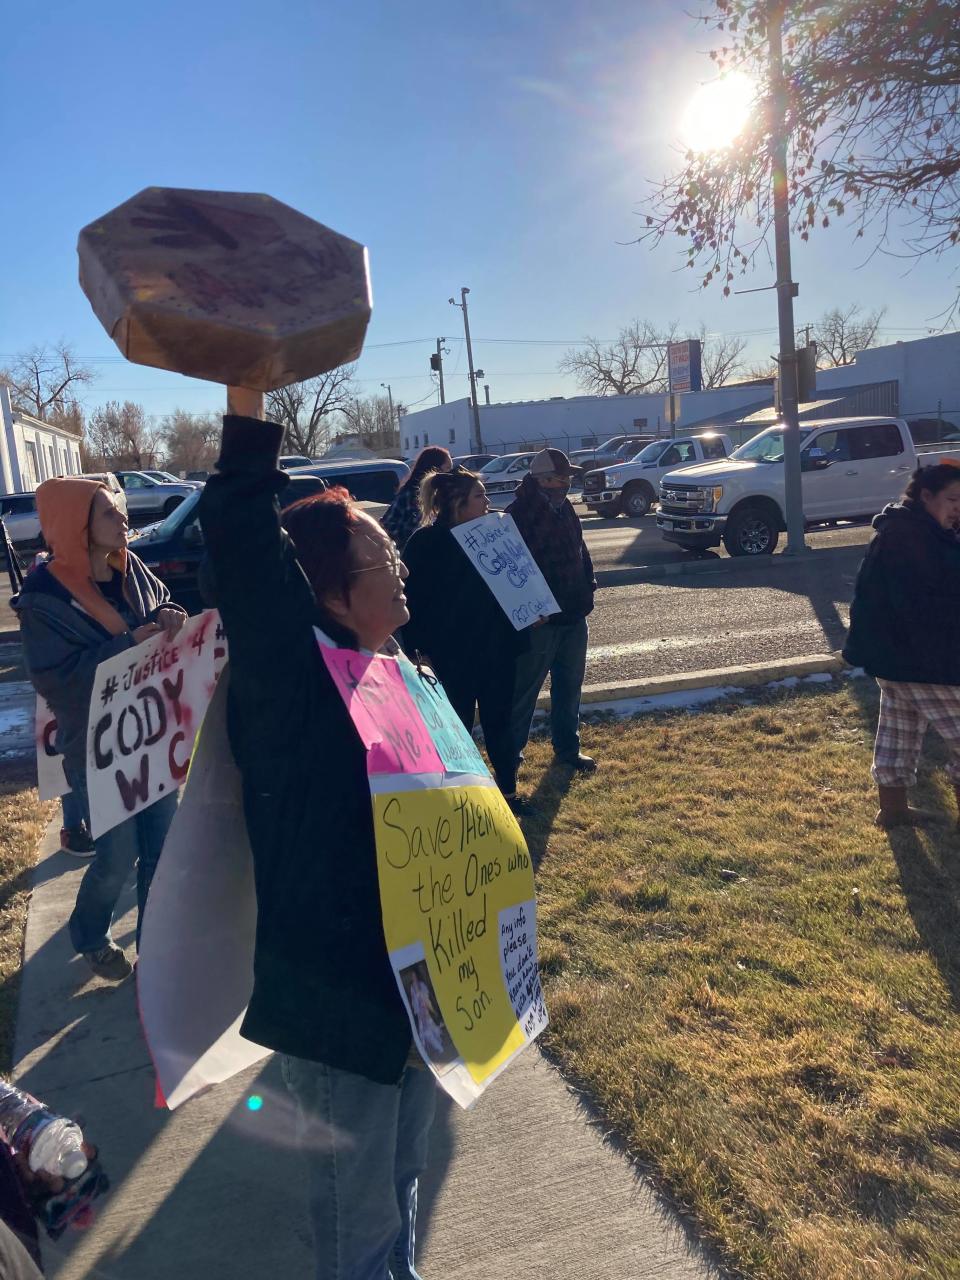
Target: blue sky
(503, 146)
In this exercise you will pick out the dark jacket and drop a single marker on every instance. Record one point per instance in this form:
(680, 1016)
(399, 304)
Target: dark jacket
(455, 619)
(905, 616)
(555, 539)
(403, 516)
(323, 986)
(63, 646)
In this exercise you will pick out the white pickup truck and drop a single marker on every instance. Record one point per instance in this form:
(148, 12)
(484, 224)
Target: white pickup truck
(851, 467)
(630, 488)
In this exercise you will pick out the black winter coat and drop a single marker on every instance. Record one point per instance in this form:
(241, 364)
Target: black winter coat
(554, 537)
(905, 616)
(323, 986)
(455, 618)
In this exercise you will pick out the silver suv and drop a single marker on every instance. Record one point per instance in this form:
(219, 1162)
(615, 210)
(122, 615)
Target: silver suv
(149, 499)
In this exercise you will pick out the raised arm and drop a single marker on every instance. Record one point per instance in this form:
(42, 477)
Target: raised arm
(263, 596)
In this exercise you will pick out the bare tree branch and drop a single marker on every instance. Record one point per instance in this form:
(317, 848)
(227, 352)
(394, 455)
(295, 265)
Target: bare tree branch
(840, 334)
(636, 362)
(41, 381)
(874, 118)
(119, 438)
(304, 409)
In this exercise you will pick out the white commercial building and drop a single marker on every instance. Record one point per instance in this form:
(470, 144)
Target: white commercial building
(32, 451)
(919, 381)
(577, 422)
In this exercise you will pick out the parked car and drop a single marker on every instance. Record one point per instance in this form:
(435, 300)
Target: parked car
(367, 479)
(173, 549)
(198, 477)
(19, 513)
(147, 499)
(288, 460)
(851, 467)
(616, 449)
(165, 477)
(502, 477)
(474, 461)
(631, 488)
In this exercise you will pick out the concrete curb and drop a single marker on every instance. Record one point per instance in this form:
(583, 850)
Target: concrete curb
(631, 574)
(746, 676)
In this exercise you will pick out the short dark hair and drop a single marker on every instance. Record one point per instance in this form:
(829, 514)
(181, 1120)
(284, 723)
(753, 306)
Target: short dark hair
(933, 479)
(321, 528)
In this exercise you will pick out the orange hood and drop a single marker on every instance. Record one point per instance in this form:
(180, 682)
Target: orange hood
(63, 506)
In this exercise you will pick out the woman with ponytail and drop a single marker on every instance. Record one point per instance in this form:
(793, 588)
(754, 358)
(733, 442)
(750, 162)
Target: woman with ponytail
(91, 600)
(456, 622)
(404, 514)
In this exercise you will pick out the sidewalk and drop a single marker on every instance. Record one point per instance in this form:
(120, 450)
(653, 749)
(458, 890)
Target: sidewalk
(522, 1187)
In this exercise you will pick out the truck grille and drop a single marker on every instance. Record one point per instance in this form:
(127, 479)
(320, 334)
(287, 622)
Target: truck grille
(680, 499)
(594, 482)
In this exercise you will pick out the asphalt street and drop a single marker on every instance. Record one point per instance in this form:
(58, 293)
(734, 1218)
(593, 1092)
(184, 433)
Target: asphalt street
(723, 617)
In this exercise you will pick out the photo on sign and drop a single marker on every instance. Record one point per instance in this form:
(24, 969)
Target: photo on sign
(424, 1010)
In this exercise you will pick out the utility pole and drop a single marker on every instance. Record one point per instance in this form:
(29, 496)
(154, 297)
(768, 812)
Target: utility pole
(436, 365)
(786, 289)
(462, 304)
(390, 398)
(486, 392)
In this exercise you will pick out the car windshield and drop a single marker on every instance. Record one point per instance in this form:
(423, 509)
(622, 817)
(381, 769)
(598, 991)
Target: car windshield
(766, 447)
(177, 517)
(650, 452)
(499, 464)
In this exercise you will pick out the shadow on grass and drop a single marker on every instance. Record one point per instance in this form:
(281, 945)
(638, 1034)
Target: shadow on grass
(929, 872)
(928, 864)
(545, 803)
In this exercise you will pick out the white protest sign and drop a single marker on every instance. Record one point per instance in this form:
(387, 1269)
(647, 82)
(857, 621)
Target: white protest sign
(146, 707)
(496, 550)
(51, 780)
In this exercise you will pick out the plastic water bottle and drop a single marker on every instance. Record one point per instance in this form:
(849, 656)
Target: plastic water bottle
(51, 1143)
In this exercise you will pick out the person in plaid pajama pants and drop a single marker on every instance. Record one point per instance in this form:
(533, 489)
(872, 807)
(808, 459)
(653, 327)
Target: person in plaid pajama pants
(905, 631)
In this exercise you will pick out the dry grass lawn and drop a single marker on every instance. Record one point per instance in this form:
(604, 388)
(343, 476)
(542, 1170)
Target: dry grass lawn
(759, 989)
(23, 820)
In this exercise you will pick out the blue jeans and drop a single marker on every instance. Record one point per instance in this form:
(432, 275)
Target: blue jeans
(74, 811)
(561, 650)
(134, 843)
(365, 1145)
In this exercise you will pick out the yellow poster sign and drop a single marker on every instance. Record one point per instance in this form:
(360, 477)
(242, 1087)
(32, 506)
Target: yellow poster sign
(457, 894)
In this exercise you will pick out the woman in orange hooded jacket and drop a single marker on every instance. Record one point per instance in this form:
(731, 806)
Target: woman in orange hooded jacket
(91, 600)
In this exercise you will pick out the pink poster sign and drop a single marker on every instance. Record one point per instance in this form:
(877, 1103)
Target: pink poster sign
(390, 727)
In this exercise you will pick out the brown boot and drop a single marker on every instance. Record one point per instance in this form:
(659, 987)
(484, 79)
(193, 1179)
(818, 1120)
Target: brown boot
(895, 810)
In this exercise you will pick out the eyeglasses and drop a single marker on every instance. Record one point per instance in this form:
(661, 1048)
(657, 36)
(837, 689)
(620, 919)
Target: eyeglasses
(394, 564)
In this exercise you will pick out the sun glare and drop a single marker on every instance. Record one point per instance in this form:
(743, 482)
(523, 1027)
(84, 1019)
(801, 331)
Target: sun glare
(717, 112)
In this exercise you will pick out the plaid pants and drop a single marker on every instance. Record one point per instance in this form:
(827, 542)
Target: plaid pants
(905, 711)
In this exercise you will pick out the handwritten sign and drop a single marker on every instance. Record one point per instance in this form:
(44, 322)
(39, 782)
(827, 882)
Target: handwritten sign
(454, 744)
(146, 707)
(380, 705)
(496, 550)
(456, 881)
(456, 888)
(51, 779)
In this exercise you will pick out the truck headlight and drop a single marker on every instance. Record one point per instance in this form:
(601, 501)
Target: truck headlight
(711, 497)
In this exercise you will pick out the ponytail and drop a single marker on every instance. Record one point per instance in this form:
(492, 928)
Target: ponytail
(442, 493)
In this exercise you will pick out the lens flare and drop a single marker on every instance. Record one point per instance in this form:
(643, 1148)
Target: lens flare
(254, 1102)
(717, 112)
